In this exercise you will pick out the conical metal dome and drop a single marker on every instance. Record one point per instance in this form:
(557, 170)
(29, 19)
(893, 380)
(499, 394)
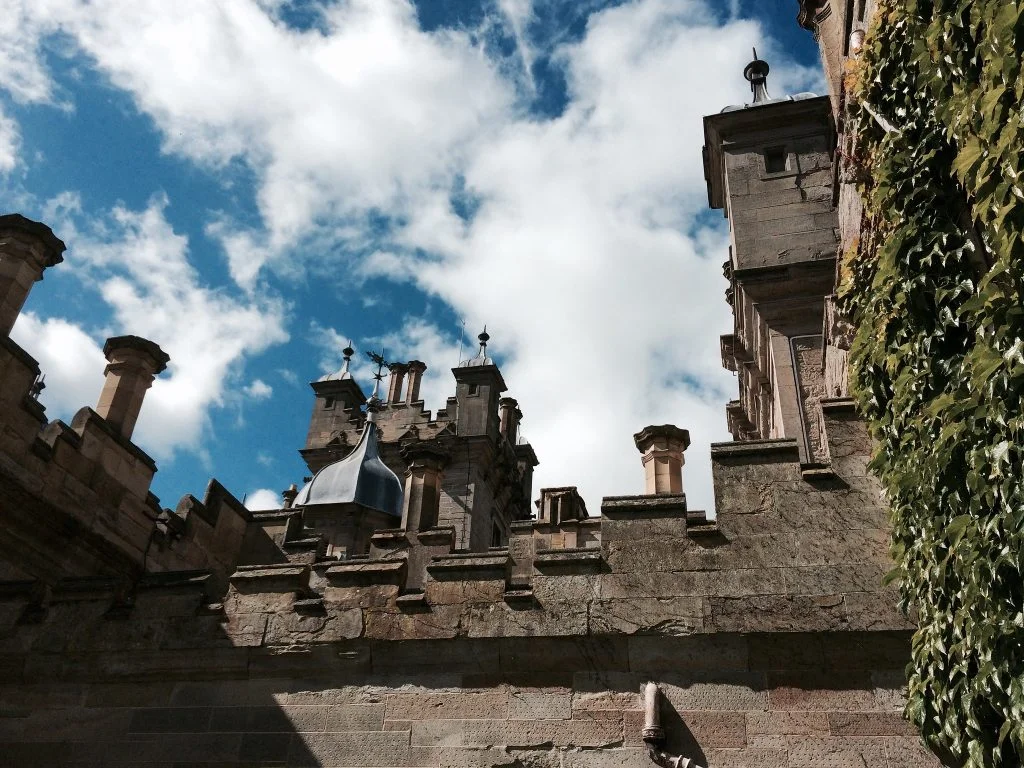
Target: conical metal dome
(361, 478)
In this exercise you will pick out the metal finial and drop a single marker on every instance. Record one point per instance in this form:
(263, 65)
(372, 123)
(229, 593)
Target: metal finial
(347, 353)
(756, 73)
(374, 401)
(484, 338)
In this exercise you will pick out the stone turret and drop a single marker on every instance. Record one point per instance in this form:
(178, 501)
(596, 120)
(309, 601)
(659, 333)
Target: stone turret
(133, 363)
(27, 248)
(662, 448)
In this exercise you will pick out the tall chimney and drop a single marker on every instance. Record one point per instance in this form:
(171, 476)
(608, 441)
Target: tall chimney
(395, 382)
(26, 249)
(662, 447)
(510, 416)
(133, 362)
(422, 502)
(416, 370)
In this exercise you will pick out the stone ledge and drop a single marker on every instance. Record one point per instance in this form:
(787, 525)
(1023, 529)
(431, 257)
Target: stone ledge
(471, 565)
(275, 578)
(743, 448)
(367, 573)
(662, 505)
(580, 556)
(838, 405)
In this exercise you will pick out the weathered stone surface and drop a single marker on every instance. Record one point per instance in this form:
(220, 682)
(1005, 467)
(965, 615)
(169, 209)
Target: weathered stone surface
(293, 628)
(503, 620)
(834, 691)
(667, 616)
(339, 750)
(530, 705)
(447, 706)
(817, 752)
(780, 723)
(778, 613)
(869, 724)
(693, 652)
(356, 717)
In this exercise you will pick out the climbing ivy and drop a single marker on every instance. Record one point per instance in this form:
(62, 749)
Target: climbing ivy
(935, 289)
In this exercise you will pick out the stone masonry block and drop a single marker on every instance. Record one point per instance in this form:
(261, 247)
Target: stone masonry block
(703, 691)
(870, 724)
(778, 613)
(616, 757)
(906, 752)
(446, 706)
(776, 723)
(340, 750)
(725, 730)
(727, 652)
(504, 620)
(823, 691)
(356, 717)
(748, 758)
(666, 616)
(528, 705)
(835, 752)
(289, 628)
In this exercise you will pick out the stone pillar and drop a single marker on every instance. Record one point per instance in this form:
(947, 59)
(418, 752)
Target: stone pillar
(26, 249)
(510, 415)
(416, 369)
(662, 447)
(395, 382)
(134, 362)
(422, 502)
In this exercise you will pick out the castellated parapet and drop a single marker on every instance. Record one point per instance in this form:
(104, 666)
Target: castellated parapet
(416, 612)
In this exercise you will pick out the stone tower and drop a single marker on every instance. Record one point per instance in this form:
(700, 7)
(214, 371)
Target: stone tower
(768, 167)
(479, 470)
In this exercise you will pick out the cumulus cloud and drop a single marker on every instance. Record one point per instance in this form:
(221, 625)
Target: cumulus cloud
(10, 141)
(262, 499)
(141, 268)
(259, 390)
(70, 358)
(578, 238)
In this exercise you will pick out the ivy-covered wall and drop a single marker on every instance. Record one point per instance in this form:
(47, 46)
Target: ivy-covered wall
(935, 288)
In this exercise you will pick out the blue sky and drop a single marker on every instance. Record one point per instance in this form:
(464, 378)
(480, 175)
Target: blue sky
(250, 183)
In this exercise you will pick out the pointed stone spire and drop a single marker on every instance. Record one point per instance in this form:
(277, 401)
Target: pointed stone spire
(756, 73)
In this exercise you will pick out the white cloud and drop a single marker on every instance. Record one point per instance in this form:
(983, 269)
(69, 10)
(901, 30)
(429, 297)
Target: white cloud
(259, 390)
(584, 255)
(70, 359)
(10, 142)
(141, 268)
(262, 499)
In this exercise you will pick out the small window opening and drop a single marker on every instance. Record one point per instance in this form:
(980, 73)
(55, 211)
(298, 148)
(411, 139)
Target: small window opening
(328, 403)
(774, 159)
(861, 9)
(474, 389)
(497, 538)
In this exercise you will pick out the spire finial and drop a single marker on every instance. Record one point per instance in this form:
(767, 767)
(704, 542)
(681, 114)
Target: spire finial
(347, 353)
(374, 402)
(756, 73)
(484, 338)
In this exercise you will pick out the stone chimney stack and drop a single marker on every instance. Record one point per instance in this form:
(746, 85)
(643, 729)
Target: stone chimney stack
(662, 447)
(26, 249)
(133, 362)
(416, 369)
(510, 416)
(398, 371)
(422, 502)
